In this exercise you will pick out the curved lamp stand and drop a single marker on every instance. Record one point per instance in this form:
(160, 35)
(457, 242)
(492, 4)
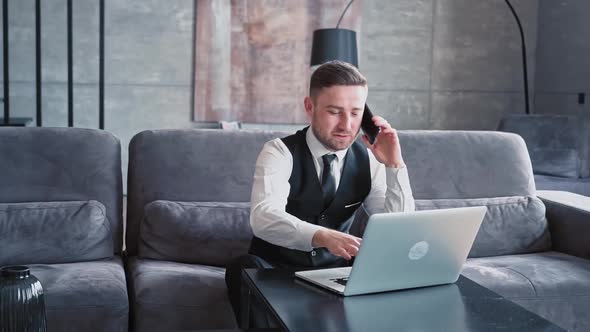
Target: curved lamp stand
(525, 77)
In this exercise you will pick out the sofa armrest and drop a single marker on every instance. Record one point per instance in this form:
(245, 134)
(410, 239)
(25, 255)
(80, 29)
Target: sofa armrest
(568, 215)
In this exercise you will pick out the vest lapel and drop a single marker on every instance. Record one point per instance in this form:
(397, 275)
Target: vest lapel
(309, 167)
(348, 174)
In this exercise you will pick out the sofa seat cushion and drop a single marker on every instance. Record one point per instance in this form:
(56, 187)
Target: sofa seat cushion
(169, 296)
(579, 186)
(210, 233)
(54, 232)
(512, 225)
(86, 296)
(554, 285)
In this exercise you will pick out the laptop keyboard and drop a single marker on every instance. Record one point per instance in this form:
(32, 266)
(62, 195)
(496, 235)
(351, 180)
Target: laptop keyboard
(341, 281)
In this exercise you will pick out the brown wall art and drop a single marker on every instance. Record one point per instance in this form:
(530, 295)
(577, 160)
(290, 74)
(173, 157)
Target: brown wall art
(252, 57)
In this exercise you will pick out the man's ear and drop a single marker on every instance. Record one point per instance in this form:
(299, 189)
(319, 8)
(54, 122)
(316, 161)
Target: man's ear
(308, 103)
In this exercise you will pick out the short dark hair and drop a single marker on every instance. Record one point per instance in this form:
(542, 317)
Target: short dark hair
(333, 73)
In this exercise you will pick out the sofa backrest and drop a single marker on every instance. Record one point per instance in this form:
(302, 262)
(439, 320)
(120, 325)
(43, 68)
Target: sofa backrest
(70, 167)
(176, 174)
(468, 168)
(466, 164)
(559, 145)
(189, 165)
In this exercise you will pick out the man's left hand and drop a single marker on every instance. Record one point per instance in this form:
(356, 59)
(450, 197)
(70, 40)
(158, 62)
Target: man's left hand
(386, 147)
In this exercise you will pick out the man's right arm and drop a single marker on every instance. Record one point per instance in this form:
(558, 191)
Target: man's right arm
(270, 190)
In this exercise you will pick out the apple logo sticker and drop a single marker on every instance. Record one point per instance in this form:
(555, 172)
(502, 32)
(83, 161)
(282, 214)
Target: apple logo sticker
(418, 250)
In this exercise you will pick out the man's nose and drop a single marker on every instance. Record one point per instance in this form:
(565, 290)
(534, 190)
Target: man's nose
(345, 122)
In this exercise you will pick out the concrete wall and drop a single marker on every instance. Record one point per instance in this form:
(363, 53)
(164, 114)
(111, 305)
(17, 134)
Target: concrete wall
(440, 64)
(446, 64)
(563, 51)
(148, 62)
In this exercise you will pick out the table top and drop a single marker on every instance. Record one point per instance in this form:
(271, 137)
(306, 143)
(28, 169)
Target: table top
(462, 306)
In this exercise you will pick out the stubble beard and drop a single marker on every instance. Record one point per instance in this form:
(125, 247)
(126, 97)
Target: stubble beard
(333, 144)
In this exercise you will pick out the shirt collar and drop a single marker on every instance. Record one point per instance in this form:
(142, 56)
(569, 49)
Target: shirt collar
(317, 149)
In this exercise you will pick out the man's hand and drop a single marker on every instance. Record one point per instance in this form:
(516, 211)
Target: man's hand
(386, 147)
(338, 243)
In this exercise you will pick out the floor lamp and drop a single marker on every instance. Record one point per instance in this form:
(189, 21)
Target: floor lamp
(525, 76)
(334, 44)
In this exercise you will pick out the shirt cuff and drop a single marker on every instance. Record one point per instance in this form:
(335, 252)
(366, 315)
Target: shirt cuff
(307, 231)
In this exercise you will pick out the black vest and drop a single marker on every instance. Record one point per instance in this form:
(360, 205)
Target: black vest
(305, 201)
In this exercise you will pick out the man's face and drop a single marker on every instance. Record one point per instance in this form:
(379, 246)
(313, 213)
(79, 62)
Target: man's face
(336, 115)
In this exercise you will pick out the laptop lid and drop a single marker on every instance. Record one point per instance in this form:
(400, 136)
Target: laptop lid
(414, 249)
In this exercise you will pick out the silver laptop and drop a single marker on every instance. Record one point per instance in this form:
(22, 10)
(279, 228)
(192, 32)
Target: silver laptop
(406, 250)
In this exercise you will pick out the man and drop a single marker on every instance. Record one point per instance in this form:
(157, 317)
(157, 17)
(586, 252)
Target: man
(307, 186)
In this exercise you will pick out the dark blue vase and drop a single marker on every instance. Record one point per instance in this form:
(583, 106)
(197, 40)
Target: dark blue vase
(22, 307)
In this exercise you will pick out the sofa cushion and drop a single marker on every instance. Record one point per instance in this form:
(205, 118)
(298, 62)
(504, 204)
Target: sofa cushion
(579, 186)
(171, 296)
(556, 162)
(191, 165)
(86, 296)
(41, 164)
(54, 232)
(212, 233)
(466, 164)
(512, 225)
(551, 284)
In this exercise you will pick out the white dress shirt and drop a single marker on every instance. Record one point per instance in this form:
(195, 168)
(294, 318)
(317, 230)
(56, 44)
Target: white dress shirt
(390, 191)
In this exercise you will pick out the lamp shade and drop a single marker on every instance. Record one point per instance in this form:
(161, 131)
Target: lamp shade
(334, 44)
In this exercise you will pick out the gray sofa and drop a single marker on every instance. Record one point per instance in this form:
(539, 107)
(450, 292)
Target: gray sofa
(532, 252)
(188, 199)
(559, 146)
(60, 214)
(187, 217)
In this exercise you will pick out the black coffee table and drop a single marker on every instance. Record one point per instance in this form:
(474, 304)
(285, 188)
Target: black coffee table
(464, 306)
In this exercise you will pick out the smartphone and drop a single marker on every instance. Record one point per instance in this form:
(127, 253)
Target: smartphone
(367, 125)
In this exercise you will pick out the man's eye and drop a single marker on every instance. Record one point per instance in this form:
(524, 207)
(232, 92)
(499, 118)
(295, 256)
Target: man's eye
(355, 113)
(333, 112)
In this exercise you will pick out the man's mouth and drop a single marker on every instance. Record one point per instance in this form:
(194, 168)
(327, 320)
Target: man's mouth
(342, 135)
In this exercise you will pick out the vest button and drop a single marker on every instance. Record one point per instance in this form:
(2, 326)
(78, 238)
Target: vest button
(313, 253)
(323, 217)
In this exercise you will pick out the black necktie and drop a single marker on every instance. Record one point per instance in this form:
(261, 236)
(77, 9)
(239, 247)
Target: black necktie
(328, 179)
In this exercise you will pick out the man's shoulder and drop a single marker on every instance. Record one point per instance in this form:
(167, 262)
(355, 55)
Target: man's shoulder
(275, 147)
(274, 154)
(295, 139)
